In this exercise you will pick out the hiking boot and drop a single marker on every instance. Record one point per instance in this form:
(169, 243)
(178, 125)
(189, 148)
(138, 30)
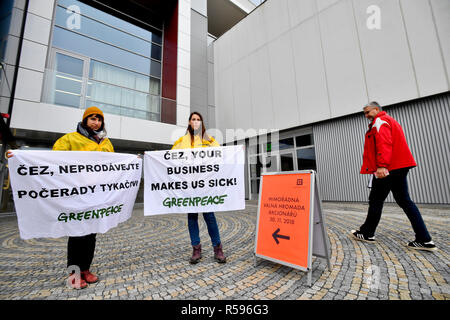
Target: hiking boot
(88, 276)
(418, 245)
(358, 235)
(76, 283)
(196, 254)
(218, 254)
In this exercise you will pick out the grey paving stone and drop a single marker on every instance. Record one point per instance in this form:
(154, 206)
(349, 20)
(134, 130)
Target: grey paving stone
(147, 257)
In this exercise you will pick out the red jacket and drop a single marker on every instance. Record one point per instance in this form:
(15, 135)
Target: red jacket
(385, 146)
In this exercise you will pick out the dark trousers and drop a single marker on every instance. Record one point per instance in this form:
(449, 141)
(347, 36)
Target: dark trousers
(80, 251)
(395, 182)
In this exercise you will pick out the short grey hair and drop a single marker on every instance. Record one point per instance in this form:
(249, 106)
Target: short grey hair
(373, 104)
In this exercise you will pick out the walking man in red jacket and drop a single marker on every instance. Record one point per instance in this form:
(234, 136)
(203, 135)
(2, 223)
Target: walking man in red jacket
(388, 159)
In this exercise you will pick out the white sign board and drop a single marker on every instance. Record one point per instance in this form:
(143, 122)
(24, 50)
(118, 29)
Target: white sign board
(72, 193)
(194, 180)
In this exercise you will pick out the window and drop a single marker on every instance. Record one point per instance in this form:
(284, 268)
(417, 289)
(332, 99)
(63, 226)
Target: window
(123, 92)
(306, 158)
(255, 167)
(287, 161)
(65, 84)
(304, 140)
(68, 80)
(255, 186)
(306, 155)
(286, 143)
(99, 59)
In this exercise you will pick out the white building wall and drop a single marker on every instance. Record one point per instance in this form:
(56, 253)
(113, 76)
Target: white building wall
(184, 62)
(199, 66)
(200, 6)
(310, 73)
(31, 114)
(211, 103)
(306, 61)
(425, 46)
(441, 18)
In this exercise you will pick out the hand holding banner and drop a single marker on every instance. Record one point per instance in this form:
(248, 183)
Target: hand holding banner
(194, 180)
(72, 193)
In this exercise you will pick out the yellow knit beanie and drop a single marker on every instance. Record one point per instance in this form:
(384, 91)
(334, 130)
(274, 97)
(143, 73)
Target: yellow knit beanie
(92, 110)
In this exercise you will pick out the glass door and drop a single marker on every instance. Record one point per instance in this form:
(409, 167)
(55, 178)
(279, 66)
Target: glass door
(287, 161)
(258, 164)
(255, 174)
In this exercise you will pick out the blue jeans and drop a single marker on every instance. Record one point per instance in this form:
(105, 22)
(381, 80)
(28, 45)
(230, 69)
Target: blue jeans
(395, 182)
(211, 224)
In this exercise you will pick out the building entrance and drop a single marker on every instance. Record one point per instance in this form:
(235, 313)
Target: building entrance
(294, 150)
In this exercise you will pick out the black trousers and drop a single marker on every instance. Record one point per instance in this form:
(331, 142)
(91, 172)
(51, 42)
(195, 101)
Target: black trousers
(80, 251)
(397, 183)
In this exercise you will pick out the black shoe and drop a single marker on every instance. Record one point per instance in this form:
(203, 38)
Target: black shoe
(361, 237)
(417, 245)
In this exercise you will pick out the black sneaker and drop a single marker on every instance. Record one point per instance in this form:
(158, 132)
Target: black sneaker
(361, 237)
(417, 245)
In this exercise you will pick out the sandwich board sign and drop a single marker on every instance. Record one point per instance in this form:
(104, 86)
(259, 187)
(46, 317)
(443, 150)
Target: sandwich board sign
(290, 227)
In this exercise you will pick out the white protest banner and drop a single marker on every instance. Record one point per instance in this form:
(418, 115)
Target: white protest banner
(72, 193)
(194, 180)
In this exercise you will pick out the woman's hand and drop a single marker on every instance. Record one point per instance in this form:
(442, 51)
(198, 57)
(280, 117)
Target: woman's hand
(9, 154)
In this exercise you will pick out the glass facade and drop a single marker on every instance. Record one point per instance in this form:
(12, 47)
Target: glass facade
(68, 80)
(306, 158)
(99, 59)
(291, 153)
(7, 12)
(286, 143)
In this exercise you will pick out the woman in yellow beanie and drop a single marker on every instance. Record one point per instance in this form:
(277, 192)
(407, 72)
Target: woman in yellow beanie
(90, 136)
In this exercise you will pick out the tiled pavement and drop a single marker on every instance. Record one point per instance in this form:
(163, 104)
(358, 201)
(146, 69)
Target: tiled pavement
(147, 258)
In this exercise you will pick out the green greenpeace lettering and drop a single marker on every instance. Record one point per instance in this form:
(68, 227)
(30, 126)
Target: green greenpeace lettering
(194, 202)
(91, 214)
